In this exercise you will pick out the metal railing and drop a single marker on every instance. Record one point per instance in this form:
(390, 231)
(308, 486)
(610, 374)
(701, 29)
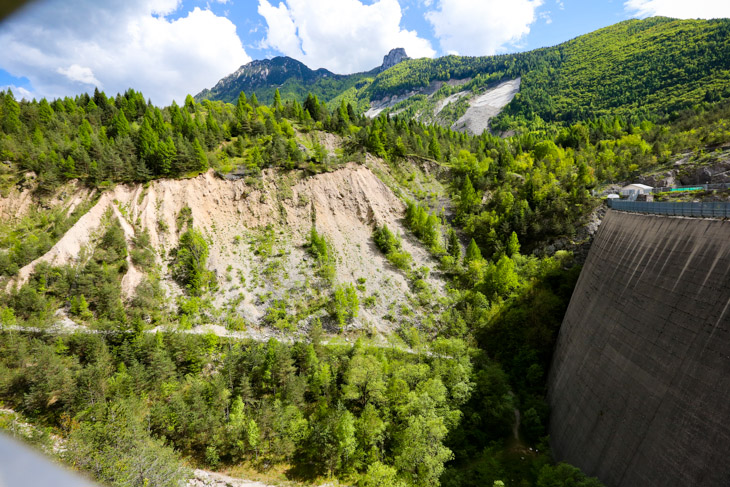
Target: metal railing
(696, 187)
(701, 210)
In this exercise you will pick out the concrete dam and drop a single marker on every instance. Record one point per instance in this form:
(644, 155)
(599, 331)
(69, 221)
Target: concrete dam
(639, 387)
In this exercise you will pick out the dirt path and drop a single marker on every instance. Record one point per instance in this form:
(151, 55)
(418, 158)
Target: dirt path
(205, 478)
(67, 326)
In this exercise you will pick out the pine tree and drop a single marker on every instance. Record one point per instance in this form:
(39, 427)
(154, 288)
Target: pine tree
(453, 246)
(400, 148)
(277, 101)
(375, 145)
(166, 156)
(45, 112)
(242, 108)
(212, 125)
(120, 125)
(85, 132)
(200, 157)
(10, 114)
(472, 252)
(344, 115)
(190, 104)
(467, 198)
(311, 105)
(513, 245)
(434, 148)
(147, 143)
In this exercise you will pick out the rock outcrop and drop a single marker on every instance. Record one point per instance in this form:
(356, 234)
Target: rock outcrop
(394, 57)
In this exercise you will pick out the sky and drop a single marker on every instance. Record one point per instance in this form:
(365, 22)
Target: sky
(170, 48)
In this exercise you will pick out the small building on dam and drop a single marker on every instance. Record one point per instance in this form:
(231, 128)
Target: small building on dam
(639, 387)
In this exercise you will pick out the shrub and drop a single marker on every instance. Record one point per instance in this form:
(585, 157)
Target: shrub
(344, 305)
(390, 244)
(189, 266)
(319, 248)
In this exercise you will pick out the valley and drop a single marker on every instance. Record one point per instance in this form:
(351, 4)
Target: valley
(302, 278)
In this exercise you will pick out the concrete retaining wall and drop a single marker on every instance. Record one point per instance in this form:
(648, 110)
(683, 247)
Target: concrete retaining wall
(640, 381)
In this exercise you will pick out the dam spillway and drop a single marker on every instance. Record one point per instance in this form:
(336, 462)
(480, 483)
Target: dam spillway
(639, 386)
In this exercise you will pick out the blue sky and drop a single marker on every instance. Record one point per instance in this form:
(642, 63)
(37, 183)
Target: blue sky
(168, 48)
(567, 19)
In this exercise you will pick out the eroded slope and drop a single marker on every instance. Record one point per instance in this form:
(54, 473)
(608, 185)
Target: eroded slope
(257, 236)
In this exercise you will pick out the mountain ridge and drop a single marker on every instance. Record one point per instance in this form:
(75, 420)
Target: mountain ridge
(657, 65)
(266, 75)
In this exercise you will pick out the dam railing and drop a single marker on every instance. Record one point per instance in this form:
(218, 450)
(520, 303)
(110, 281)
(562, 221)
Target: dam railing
(702, 210)
(696, 187)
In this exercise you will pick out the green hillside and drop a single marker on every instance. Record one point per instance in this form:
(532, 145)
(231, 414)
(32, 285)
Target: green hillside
(656, 65)
(637, 67)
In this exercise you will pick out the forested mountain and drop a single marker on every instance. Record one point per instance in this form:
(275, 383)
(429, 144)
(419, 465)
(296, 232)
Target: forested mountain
(638, 67)
(300, 292)
(263, 77)
(644, 67)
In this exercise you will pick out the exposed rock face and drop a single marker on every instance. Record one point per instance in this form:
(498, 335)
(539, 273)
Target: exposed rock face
(712, 168)
(640, 378)
(394, 57)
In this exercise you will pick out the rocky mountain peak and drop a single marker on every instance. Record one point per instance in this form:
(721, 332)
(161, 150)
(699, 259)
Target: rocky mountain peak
(393, 57)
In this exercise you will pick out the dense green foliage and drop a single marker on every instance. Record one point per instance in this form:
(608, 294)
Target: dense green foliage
(32, 236)
(102, 140)
(189, 266)
(637, 67)
(324, 410)
(92, 285)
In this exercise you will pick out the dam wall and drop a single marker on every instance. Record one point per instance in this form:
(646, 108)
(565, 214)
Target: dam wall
(639, 387)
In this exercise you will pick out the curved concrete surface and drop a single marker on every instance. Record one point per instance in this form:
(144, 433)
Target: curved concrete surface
(639, 386)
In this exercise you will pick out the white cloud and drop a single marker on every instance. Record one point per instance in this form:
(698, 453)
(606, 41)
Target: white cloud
(81, 74)
(119, 44)
(344, 36)
(680, 9)
(481, 27)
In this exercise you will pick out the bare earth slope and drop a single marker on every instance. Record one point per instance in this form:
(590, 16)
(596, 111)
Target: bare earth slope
(240, 219)
(487, 106)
